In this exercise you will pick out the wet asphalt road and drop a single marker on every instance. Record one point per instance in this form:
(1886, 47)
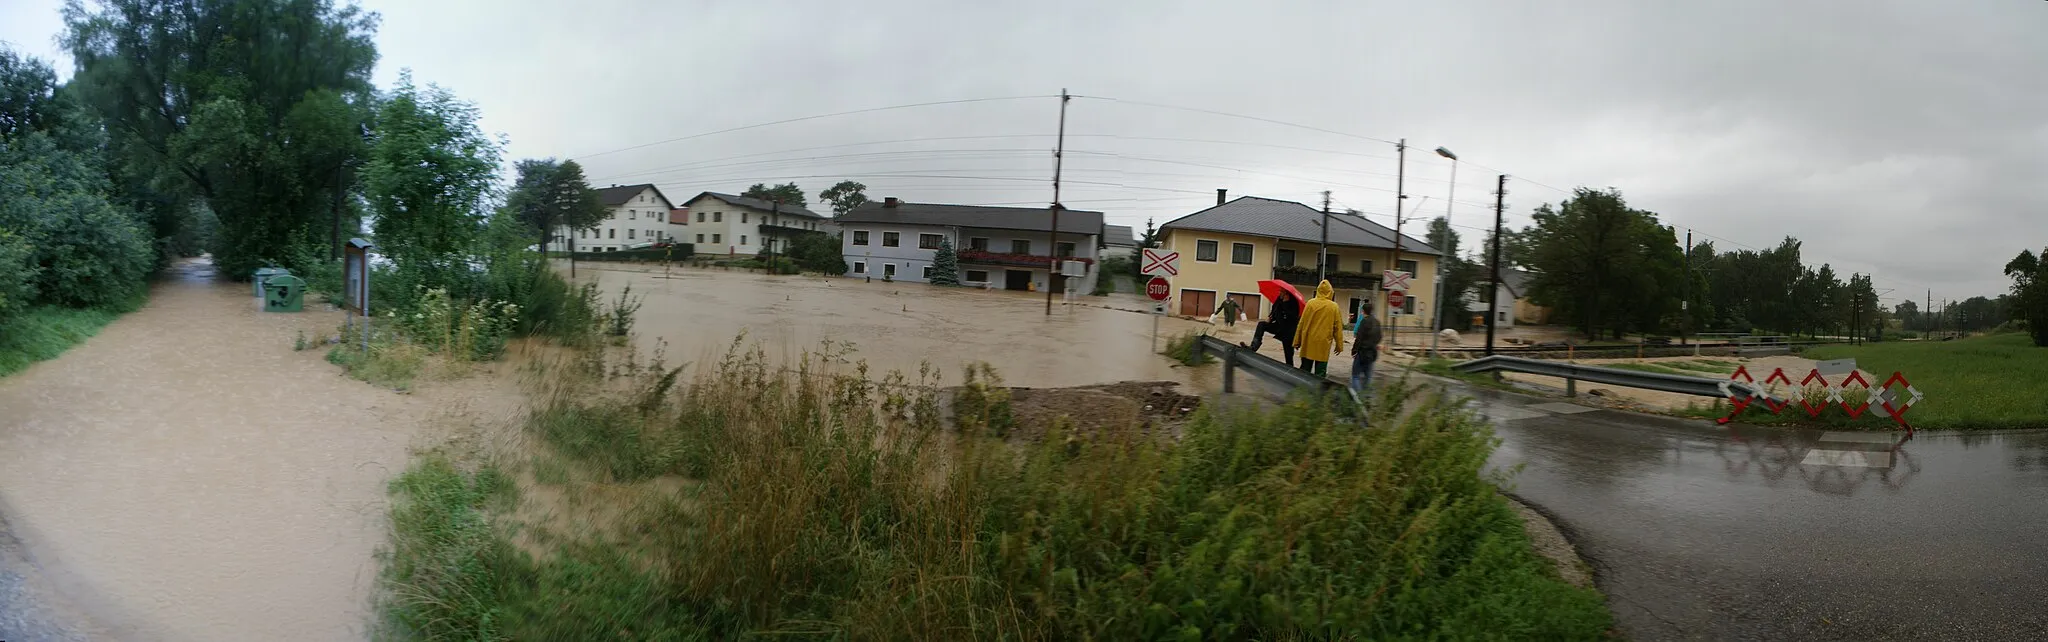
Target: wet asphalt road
(1697, 531)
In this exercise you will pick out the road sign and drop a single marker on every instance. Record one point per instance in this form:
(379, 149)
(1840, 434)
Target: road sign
(1395, 298)
(1395, 280)
(1158, 288)
(1159, 262)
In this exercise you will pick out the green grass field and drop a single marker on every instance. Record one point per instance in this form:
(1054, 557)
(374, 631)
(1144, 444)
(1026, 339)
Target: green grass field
(41, 333)
(1982, 383)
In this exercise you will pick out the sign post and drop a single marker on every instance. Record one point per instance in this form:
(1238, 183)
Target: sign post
(1158, 289)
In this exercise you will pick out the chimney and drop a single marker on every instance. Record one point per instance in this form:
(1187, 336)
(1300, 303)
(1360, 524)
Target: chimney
(1221, 195)
(890, 202)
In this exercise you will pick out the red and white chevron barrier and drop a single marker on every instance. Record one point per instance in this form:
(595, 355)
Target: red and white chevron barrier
(1743, 390)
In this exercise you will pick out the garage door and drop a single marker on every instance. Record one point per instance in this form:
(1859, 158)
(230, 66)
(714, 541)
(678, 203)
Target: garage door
(1197, 303)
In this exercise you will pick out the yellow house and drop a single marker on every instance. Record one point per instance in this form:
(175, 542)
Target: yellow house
(1227, 249)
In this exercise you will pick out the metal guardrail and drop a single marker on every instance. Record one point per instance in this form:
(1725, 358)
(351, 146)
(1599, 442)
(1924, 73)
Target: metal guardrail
(1573, 373)
(1235, 357)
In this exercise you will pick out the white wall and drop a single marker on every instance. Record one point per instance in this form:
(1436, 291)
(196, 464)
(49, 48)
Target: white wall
(733, 229)
(641, 219)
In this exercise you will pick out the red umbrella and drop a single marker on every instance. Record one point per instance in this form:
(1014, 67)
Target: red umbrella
(1272, 289)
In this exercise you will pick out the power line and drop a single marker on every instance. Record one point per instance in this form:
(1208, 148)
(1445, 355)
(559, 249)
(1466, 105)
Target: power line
(1224, 113)
(804, 118)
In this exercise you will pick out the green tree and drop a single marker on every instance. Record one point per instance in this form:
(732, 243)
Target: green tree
(550, 194)
(1150, 238)
(247, 105)
(1603, 265)
(816, 252)
(844, 196)
(2029, 275)
(786, 193)
(945, 264)
(430, 170)
(1460, 275)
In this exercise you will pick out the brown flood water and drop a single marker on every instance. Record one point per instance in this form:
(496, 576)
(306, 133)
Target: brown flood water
(185, 475)
(896, 326)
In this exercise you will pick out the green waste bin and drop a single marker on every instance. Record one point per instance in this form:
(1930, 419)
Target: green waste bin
(264, 274)
(284, 293)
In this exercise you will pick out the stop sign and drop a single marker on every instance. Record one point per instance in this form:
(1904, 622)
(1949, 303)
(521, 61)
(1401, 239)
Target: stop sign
(1395, 298)
(1157, 288)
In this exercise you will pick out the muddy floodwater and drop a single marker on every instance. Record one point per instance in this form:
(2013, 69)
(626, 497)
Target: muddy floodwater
(897, 326)
(186, 475)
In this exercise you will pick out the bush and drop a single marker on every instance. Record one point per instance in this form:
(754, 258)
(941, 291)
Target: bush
(830, 506)
(17, 275)
(818, 253)
(618, 320)
(1185, 349)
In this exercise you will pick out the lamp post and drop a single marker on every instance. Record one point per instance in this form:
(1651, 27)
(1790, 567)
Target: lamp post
(1443, 254)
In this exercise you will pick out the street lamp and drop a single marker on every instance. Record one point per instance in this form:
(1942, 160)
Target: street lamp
(1442, 253)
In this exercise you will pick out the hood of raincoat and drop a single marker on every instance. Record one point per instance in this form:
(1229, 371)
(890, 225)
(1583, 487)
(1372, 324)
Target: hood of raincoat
(1325, 292)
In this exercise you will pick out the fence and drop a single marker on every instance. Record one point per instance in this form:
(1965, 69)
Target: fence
(1236, 358)
(1573, 373)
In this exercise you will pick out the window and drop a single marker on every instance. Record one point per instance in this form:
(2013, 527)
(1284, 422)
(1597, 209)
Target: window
(1332, 260)
(632, 214)
(718, 217)
(743, 218)
(860, 267)
(656, 215)
(929, 241)
(743, 239)
(611, 234)
(700, 238)
(629, 234)
(1205, 251)
(860, 237)
(1241, 253)
(888, 270)
(1365, 267)
(1065, 249)
(1405, 266)
(927, 273)
(979, 244)
(1503, 317)
(700, 217)
(1283, 258)
(717, 238)
(891, 239)
(977, 276)
(1020, 247)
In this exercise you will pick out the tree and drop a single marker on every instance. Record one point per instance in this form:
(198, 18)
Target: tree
(551, 194)
(1908, 314)
(844, 196)
(817, 252)
(1459, 275)
(1603, 265)
(1151, 237)
(429, 172)
(945, 264)
(2030, 292)
(247, 105)
(786, 194)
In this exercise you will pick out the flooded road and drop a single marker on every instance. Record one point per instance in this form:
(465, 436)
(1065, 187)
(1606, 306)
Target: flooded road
(895, 326)
(185, 475)
(1703, 532)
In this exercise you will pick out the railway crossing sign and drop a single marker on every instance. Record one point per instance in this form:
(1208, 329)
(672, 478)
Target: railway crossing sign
(1395, 280)
(1158, 288)
(1160, 262)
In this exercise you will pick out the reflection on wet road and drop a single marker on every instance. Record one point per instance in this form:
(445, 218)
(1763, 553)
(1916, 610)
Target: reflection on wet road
(1708, 532)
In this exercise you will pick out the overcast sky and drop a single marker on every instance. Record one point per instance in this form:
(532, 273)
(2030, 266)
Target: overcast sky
(1902, 138)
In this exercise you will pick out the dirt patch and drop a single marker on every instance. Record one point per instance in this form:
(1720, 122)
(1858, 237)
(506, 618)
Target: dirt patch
(1151, 407)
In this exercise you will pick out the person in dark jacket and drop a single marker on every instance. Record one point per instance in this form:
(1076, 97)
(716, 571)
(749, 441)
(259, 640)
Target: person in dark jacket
(1365, 347)
(1280, 323)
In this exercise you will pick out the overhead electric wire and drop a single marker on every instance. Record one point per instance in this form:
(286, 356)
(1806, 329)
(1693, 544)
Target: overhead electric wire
(805, 118)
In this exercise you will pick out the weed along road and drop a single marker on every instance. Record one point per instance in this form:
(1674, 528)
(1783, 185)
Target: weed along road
(896, 326)
(1750, 533)
(185, 475)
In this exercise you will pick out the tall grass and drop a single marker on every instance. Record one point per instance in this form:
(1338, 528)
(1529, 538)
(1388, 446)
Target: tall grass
(43, 332)
(826, 505)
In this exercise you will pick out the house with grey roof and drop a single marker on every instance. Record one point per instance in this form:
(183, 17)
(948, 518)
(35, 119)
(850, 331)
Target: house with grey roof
(639, 218)
(999, 247)
(1227, 249)
(727, 225)
(1515, 307)
(1119, 240)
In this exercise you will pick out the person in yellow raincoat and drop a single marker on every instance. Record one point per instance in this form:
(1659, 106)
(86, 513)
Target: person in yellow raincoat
(1320, 333)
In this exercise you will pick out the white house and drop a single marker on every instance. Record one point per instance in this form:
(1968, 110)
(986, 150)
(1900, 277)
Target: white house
(1004, 247)
(639, 217)
(1119, 240)
(727, 225)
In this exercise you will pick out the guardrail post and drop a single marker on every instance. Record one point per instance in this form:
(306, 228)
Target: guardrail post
(1230, 372)
(1571, 387)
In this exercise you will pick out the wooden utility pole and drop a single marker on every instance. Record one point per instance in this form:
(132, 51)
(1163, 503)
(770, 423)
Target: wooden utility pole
(1500, 196)
(1685, 306)
(1052, 267)
(1400, 196)
(1323, 249)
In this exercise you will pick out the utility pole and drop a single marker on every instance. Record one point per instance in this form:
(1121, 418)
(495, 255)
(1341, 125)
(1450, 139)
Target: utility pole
(1323, 249)
(1500, 196)
(1443, 255)
(1685, 306)
(1400, 195)
(1052, 267)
